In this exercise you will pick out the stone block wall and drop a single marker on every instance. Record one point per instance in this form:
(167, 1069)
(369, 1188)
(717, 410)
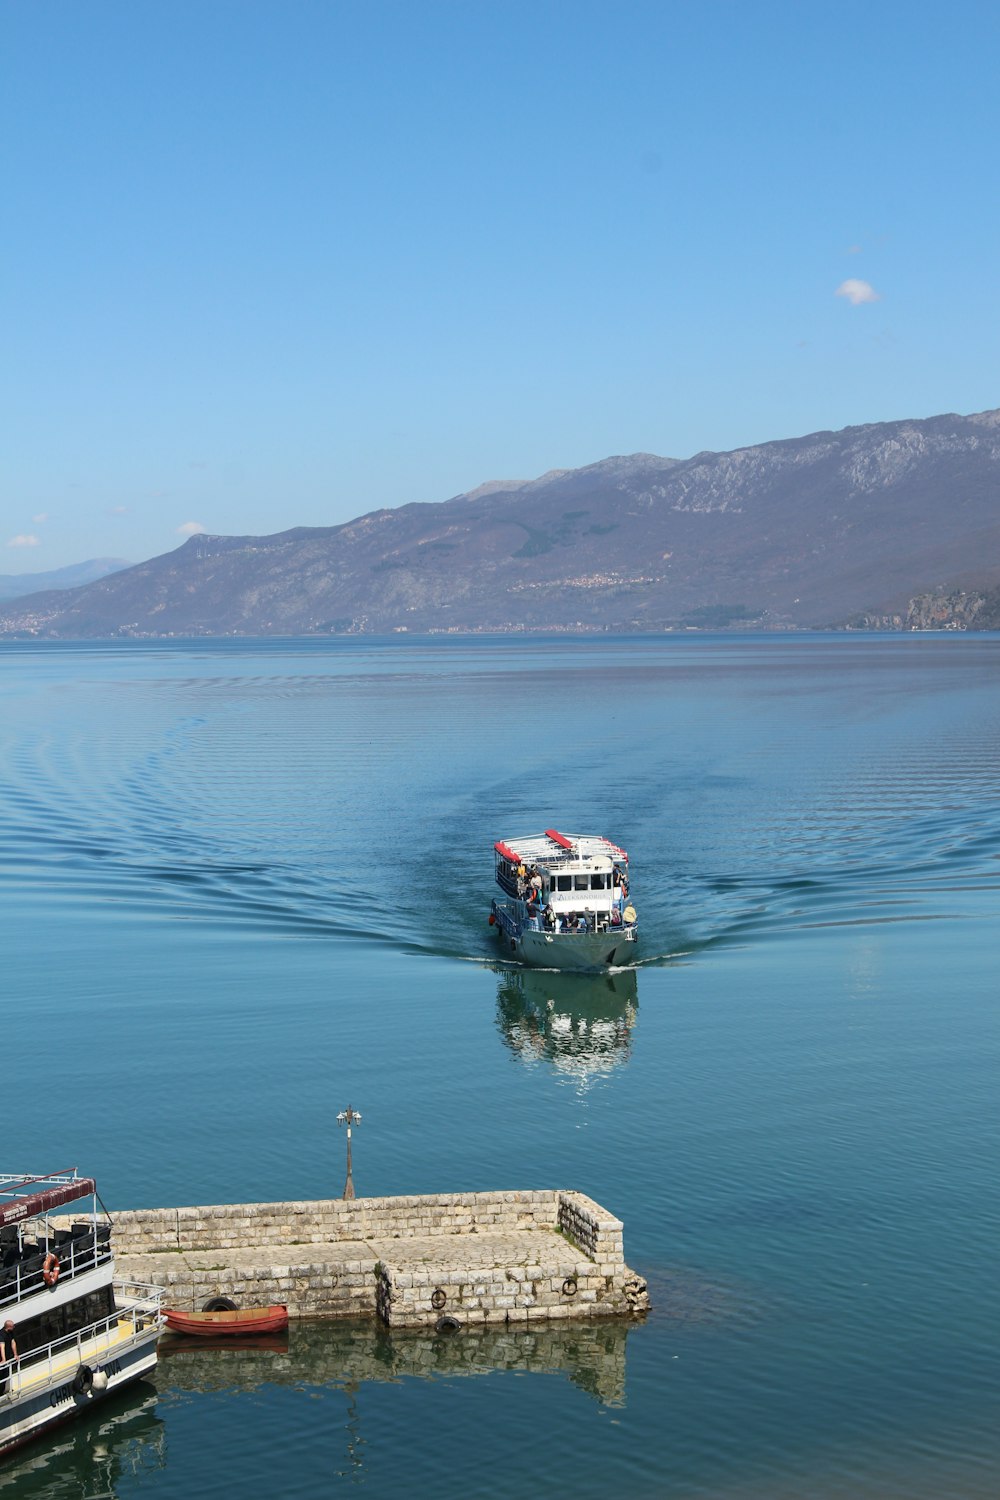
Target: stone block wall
(233, 1226)
(559, 1286)
(309, 1288)
(588, 1225)
(481, 1258)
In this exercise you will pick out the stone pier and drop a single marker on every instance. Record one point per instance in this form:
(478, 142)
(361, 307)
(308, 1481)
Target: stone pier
(477, 1258)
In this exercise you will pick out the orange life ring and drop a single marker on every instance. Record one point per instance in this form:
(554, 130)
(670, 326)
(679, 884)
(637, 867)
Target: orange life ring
(50, 1269)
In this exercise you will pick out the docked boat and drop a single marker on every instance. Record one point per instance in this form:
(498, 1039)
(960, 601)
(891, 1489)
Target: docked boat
(69, 1332)
(566, 902)
(237, 1321)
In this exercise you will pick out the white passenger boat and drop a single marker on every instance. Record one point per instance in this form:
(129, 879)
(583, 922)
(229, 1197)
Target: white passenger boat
(78, 1333)
(567, 903)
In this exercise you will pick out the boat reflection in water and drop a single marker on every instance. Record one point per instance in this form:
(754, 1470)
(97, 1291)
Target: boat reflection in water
(579, 1023)
(120, 1442)
(346, 1354)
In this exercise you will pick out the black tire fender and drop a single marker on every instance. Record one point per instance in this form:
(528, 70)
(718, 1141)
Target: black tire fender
(83, 1380)
(219, 1304)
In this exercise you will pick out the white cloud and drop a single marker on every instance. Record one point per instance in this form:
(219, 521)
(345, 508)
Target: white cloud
(23, 541)
(857, 292)
(43, 515)
(118, 510)
(190, 528)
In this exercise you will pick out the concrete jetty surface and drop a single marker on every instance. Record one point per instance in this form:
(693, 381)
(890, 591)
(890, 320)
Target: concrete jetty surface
(508, 1257)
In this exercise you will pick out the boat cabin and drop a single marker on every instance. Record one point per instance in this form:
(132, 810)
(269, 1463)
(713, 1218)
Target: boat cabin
(566, 885)
(74, 1333)
(54, 1277)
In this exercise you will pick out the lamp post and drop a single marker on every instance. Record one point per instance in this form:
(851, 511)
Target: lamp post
(349, 1117)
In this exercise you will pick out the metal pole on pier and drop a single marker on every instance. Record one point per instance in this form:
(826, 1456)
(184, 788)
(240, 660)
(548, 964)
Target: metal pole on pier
(349, 1117)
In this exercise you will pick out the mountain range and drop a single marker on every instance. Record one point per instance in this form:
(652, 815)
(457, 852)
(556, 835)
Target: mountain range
(14, 585)
(799, 533)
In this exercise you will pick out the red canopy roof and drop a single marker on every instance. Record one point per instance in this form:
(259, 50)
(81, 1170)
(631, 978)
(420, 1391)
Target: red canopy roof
(13, 1210)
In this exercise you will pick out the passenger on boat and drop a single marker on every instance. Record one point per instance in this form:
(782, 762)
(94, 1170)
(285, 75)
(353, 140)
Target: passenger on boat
(8, 1352)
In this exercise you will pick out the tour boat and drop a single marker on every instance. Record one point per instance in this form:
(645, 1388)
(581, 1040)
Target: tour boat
(79, 1333)
(242, 1320)
(567, 903)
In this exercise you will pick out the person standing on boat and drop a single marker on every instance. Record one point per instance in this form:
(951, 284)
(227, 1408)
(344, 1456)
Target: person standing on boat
(8, 1353)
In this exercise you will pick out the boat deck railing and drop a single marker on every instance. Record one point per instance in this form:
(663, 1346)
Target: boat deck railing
(12, 1184)
(599, 922)
(136, 1313)
(77, 1251)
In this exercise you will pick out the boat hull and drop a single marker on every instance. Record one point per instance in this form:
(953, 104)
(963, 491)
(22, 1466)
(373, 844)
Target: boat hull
(237, 1323)
(582, 952)
(586, 952)
(34, 1407)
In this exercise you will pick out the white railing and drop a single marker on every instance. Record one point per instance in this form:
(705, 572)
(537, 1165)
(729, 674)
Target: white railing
(74, 1256)
(24, 1178)
(138, 1306)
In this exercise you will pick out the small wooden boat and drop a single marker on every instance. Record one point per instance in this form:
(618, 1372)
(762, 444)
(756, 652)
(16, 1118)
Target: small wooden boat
(239, 1321)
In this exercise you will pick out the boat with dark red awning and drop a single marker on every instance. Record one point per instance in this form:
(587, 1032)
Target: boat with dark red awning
(71, 1331)
(239, 1321)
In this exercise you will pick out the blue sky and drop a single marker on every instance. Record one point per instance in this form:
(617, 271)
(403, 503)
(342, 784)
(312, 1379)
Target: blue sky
(280, 262)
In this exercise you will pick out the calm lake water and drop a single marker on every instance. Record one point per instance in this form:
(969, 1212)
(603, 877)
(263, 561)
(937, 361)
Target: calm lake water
(245, 884)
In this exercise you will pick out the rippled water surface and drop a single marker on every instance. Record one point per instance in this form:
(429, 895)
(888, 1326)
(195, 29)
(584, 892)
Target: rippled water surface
(245, 884)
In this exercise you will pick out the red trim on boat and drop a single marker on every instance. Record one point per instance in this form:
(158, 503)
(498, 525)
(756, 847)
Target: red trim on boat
(13, 1210)
(507, 853)
(559, 838)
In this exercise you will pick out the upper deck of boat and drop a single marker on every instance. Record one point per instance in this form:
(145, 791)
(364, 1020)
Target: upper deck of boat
(559, 851)
(42, 1256)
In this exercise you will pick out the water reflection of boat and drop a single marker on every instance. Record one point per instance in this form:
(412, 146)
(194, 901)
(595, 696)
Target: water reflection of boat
(580, 1023)
(123, 1439)
(346, 1354)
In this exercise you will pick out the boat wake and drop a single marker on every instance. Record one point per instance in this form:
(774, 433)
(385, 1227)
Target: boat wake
(356, 806)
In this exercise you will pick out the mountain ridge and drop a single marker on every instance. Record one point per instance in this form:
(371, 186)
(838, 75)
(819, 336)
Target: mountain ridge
(74, 575)
(792, 533)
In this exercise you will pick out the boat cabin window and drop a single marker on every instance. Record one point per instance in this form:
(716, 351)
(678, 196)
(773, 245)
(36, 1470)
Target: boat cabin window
(59, 1322)
(588, 881)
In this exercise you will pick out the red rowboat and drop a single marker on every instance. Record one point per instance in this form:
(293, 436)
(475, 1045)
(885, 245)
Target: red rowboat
(240, 1321)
